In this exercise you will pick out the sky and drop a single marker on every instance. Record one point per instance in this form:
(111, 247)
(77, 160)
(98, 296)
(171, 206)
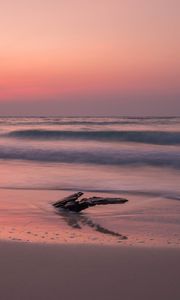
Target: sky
(78, 57)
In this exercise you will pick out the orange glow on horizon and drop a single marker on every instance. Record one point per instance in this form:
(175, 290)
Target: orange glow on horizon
(63, 48)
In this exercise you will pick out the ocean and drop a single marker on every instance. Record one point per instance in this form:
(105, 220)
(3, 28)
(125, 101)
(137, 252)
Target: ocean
(133, 155)
(137, 157)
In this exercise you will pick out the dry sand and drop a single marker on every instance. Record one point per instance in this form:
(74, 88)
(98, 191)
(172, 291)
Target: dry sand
(53, 272)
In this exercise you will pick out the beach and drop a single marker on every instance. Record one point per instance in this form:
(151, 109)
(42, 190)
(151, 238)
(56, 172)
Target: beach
(29, 216)
(45, 257)
(90, 150)
(88, 272)
(128, 251)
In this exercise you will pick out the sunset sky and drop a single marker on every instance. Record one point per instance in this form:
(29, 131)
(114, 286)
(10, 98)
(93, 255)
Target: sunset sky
(90, 57)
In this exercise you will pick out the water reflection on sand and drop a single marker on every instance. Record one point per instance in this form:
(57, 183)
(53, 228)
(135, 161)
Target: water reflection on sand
(79, 220)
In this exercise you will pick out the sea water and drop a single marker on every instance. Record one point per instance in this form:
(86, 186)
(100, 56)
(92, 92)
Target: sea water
(135, 157)
(115, 154)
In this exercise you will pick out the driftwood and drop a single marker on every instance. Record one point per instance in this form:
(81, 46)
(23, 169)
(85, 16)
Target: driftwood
(73, 203)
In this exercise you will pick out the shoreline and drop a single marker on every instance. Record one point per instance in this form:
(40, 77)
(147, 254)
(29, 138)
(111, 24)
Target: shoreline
(143, 222)
(91, 244)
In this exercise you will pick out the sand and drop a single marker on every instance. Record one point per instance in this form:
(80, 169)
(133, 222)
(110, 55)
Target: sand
(28, 215)
(61, 261)
(34, 271)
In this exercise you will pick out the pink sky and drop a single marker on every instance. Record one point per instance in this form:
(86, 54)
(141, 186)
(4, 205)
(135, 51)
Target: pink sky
(60, 51)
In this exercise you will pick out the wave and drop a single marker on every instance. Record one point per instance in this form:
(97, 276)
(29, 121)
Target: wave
(83, 123)
(148, 137)
(34, 121)
(99, 157)
(152, 194)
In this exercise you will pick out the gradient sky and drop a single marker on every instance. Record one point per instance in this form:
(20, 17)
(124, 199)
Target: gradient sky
(90, 57)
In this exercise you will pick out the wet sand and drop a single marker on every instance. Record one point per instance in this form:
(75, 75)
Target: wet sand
(103, 254)
(33, 271)
(28, 216)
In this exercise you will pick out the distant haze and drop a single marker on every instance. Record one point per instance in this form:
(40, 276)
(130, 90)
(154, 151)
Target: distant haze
(90, 57)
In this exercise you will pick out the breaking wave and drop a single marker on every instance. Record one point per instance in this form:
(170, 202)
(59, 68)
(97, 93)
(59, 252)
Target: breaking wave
(147, 137)
(91, 121)
(99, 157)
